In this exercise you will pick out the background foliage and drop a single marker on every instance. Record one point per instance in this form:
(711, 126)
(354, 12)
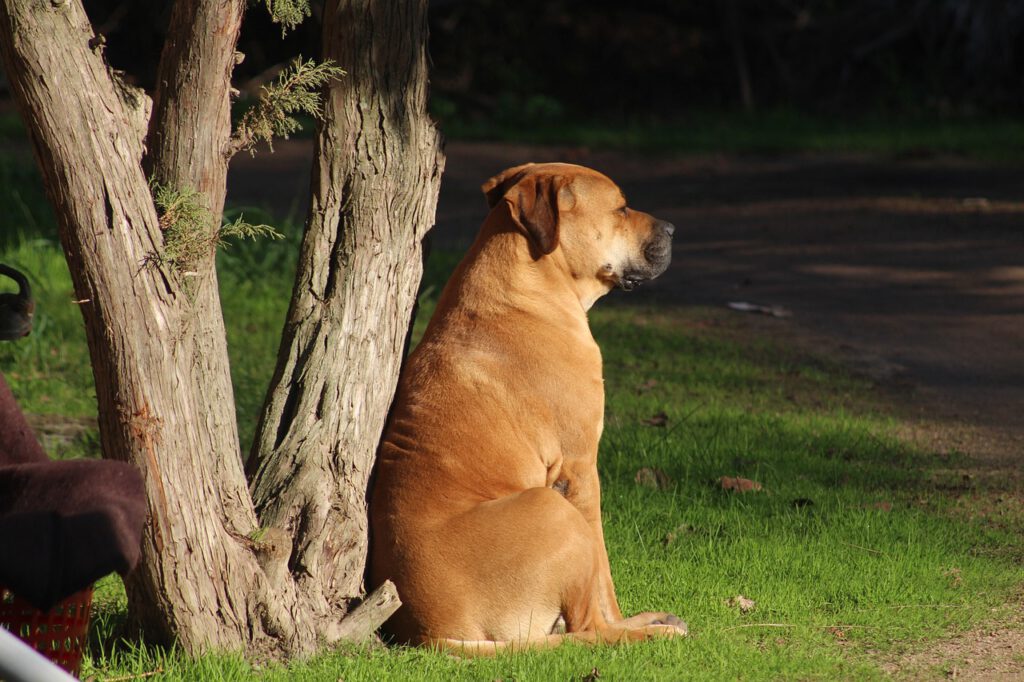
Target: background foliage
(548, 61)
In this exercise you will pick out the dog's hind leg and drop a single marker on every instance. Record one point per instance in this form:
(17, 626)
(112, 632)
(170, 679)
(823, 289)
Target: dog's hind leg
(534, 559)
(531, 551)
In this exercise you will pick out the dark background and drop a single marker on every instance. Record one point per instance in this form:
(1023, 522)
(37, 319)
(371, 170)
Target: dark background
(551, 61)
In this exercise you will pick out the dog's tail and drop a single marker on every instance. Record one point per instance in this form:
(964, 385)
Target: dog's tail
(487, 648)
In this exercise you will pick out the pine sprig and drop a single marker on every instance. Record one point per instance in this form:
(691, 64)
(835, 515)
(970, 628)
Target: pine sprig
(240, 229)
(296, 90)
(288, 13)
(186, 224)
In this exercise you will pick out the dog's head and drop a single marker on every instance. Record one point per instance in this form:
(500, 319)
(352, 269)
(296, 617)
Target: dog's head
(581, 213)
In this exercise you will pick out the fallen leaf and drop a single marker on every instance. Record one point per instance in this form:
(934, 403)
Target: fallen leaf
(593, 675)
(659, 420)
(837, 633)
(673, 535)
(740, 485)
(649, 477)
(742, 603)
(882, 506)
(647, 385)
(955, 579)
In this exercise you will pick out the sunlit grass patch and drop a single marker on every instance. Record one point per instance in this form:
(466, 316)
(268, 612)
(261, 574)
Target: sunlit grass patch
(856, 543)
(48, 370)
(848, 550)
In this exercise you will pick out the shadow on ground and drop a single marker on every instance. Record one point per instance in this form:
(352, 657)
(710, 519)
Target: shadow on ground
(909, 270)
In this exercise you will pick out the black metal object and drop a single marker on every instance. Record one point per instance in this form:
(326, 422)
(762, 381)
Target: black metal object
(16, 310)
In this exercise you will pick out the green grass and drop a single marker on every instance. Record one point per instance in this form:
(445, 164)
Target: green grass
(850, 549)
(768, 132)
(854, 549)
(787, 131)
(50, 373)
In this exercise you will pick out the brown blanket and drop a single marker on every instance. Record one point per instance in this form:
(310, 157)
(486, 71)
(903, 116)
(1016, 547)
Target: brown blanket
(62, 524)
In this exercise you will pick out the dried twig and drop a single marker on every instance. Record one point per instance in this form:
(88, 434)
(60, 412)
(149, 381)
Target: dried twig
(914, 606)
(794, 625)
(139, 676)
(866, 549)
(760, 625)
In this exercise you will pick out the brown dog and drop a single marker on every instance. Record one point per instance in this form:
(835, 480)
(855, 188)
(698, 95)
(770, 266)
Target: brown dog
(486, 507)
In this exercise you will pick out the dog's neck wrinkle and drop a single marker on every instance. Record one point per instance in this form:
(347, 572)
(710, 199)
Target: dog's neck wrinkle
(541, 286)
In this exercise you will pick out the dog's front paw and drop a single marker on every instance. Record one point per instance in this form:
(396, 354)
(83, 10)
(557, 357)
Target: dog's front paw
(673, 621)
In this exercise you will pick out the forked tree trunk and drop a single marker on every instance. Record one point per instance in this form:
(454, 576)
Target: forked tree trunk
(376, 176)
(209, 578)
(159, 368)
(186, 147)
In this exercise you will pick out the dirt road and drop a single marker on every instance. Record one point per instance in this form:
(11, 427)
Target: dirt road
(912, 271)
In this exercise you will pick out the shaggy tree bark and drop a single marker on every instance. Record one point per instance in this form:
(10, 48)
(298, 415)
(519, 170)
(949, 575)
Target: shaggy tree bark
(354, 292)
(211, 577)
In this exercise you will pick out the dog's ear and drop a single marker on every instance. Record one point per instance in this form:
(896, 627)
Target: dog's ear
(495, 188)
(534, 203)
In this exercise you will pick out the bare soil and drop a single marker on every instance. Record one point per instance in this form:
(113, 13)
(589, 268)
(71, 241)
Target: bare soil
(990, 654)
(910, 271)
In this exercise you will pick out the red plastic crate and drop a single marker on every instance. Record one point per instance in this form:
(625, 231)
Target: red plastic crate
(60, 634)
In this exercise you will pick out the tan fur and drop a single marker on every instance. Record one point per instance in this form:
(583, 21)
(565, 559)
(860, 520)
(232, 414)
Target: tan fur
(503, 399)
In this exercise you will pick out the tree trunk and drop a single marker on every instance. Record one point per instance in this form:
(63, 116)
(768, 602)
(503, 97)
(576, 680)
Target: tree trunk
(159, 369)
(209, 578)
(186, 146)
(734, 33)
(376, 176)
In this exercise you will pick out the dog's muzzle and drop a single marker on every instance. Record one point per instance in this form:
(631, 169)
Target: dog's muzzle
(657, 254)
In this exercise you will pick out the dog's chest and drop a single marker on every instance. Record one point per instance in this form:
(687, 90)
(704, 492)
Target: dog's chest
(579, 416)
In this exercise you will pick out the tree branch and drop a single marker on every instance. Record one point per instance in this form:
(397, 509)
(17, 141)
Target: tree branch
(361, 624)
(297, 90)
(191, 123)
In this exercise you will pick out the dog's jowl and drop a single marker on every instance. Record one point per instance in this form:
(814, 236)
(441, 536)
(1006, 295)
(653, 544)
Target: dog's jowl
(486, 509)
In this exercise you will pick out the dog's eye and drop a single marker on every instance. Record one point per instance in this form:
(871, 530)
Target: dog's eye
(622, 211)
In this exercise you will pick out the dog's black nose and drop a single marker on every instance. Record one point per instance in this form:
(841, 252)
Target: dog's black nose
(667, 227)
